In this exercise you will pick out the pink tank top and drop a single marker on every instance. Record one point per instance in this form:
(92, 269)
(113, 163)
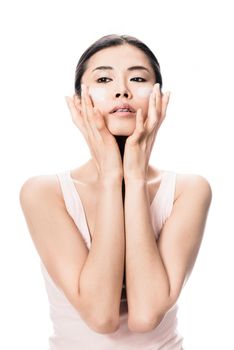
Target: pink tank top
(70, 331)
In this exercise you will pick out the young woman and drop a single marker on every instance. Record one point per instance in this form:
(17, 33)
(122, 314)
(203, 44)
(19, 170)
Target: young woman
(117, 237)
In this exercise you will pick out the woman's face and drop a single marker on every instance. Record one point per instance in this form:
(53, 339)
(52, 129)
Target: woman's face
(119, 83)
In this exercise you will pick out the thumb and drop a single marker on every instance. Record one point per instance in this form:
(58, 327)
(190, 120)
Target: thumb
(101, 126)
(99, 120)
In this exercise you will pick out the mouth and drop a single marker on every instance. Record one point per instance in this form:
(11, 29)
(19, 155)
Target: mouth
(123, 108)
(123, 113)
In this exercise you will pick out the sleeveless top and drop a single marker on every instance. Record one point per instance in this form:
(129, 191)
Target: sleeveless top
(70, 331)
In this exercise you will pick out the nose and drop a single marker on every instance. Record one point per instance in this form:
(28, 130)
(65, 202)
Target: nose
(123, 92)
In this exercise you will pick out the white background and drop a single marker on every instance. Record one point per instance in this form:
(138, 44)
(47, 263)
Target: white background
(41, 42)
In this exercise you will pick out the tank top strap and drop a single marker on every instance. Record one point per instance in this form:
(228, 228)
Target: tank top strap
(73, 204)
(162, 207)
(67, 192)
(168, 189)
(160, 210)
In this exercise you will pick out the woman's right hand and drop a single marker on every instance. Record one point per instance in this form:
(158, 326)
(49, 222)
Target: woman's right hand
(102, 144)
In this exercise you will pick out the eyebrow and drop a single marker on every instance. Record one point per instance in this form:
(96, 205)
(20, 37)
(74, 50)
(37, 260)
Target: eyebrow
(129, 69)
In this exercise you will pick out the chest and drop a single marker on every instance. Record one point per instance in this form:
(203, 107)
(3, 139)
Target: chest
(89, 198)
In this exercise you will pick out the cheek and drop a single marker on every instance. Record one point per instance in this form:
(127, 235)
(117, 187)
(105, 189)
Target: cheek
(98, 94)
(144, 91)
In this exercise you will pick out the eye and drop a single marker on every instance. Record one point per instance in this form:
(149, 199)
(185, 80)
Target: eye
(98, 80)
(142, 79)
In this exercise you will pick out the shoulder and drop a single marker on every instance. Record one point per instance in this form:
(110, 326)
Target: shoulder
(45, 187)
(194, 186)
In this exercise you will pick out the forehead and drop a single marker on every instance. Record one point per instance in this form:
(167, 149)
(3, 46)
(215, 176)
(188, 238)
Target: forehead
(119, 57)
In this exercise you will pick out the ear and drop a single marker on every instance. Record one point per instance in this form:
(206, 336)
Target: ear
(77, 100)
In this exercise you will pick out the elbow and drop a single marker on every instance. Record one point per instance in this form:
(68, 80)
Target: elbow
(104, 326)
(97, 322)
(147, 321)
(146, 324)
(98, 319)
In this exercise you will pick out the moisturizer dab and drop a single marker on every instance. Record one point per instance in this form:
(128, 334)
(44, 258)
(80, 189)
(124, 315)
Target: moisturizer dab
(97, 93)
(144, 91)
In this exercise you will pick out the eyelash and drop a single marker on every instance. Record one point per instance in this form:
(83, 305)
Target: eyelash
(143, 80)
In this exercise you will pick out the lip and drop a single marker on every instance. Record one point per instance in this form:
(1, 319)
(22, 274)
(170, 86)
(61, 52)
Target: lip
(124, 114)
(124, 105)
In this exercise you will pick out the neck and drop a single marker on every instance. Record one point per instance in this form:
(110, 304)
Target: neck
(121, 140)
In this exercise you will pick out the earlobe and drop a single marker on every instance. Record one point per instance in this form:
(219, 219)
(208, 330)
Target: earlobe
(76, 100)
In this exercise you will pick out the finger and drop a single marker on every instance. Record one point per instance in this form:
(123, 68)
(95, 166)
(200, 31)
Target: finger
(77, 102)
(94, 118)
(134, 138)
(87, 102)
(139, 121)
(158, 102)
(165, 102)
(152, 114)
(99, 121)
(76, 115)
(87, 111)
(101, 127)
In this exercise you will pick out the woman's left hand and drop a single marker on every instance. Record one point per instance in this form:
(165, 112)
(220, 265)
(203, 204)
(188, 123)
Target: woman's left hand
(138, 146)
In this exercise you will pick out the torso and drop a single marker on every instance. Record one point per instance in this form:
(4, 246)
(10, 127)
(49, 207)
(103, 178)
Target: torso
(88, 191)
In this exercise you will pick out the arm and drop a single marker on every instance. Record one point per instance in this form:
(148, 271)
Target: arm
(91, 280)
(101, 278)
(156, 271)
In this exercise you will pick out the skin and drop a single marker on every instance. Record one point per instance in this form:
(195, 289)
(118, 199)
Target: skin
(156, 270)
(120, 81)
(108, 88)
(162, 266)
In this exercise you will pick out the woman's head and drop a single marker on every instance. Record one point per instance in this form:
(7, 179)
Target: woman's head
(118, 70)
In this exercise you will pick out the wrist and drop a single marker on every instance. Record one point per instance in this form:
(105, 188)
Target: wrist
(111, 180)
(134, 179)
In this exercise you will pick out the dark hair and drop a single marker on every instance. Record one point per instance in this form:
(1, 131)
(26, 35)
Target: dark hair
(114, 40)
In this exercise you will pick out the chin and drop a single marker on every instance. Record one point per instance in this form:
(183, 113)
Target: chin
(121, 129)
(120, 134)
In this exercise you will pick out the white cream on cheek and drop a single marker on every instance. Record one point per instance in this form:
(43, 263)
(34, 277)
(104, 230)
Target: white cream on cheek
(98, 93)
(144, 91)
